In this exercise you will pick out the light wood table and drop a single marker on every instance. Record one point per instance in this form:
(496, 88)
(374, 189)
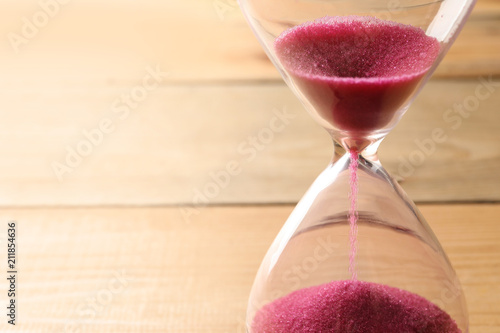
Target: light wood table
(116, 116)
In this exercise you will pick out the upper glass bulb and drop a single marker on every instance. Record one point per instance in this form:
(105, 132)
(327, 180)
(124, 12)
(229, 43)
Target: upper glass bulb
(356, 65)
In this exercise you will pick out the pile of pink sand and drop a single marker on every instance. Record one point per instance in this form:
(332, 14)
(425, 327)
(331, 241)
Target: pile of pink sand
(352, 307)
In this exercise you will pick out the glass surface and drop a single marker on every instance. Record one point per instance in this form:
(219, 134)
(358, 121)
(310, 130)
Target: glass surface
(356, 66)
(396, 247)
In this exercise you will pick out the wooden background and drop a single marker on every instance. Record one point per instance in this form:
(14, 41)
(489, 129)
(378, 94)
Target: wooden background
(109, 240)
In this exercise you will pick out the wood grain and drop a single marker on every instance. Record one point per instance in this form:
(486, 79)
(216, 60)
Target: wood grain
(180, 141)
(206, 112)
(91, 262)
(111, 42)
(149, 270)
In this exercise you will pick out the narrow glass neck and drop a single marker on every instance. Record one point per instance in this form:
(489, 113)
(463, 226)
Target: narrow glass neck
(370, 152)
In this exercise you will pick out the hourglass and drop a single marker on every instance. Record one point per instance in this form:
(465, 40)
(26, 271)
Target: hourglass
(356, 255)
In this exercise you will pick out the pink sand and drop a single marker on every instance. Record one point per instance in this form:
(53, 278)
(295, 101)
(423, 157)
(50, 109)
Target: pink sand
(353, 212)
(352, 307)
(356, 71)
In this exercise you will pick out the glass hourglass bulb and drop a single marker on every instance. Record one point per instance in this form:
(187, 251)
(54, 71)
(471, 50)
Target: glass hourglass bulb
(356, 255)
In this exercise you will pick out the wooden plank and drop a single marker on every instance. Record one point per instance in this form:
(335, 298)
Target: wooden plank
(456, 228)
(148, 270)
(179, 139)
(111, 42)
(475, 51)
